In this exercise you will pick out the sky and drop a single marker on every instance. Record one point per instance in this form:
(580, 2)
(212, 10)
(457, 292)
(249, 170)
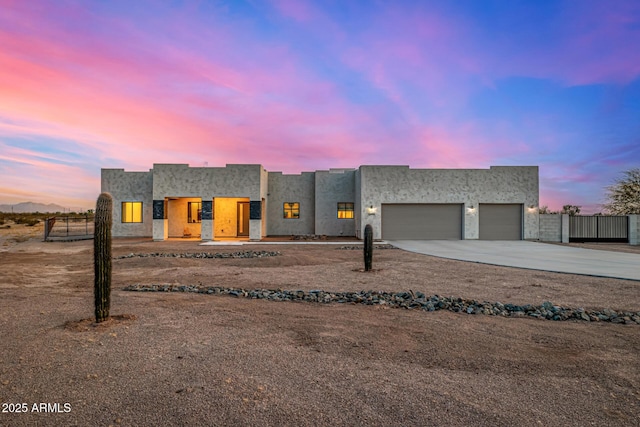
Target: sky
(298, 85)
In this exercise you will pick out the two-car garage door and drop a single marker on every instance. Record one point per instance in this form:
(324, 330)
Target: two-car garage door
(422, 221)
(445, 221)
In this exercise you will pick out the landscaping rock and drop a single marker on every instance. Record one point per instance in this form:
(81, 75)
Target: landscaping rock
(408, 300)
(203, 255)
(308, 237)
(359, 248)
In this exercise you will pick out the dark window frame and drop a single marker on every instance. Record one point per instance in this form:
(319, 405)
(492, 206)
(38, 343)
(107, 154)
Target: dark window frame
(123, 218)
(346, 208)
(293, 209)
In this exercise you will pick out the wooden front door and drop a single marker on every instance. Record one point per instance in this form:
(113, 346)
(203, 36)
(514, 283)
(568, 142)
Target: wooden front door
(243, 219)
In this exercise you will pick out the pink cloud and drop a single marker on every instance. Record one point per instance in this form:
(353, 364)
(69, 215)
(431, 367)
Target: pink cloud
(30, 157)
(179, 88)
(28, 176)
(163, 116)
(231, 110)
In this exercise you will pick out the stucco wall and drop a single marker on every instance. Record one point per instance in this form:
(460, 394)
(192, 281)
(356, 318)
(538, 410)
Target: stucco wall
(129, 187)
(179, 180)
(551, 228)
(358, 219)
(291, 188)
(333, 187)
(499, 184)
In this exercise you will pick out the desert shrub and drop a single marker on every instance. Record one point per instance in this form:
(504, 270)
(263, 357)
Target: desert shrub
(27, 221)
(30, 219)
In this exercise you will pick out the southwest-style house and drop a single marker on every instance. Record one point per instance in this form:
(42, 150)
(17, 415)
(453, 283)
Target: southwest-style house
(175, 200)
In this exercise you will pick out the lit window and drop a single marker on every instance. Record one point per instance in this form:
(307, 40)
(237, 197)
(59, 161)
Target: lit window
(194, 212)
(345, 210)
(292, 210)
(131, 211)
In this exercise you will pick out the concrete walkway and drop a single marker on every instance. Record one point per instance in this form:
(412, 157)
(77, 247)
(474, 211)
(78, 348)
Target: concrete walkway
(531, 255)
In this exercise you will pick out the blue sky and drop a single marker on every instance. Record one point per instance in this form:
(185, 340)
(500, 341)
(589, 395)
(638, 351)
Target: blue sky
(306, 85)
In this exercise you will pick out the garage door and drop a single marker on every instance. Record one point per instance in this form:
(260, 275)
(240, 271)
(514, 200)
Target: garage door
(422, 221)
(500, 222)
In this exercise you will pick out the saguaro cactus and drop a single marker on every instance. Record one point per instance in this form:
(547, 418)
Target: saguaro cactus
(102, 256)
(368, 247)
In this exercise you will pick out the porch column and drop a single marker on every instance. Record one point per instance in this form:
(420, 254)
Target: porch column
(160, 229)
(206, 229)
(255, 220)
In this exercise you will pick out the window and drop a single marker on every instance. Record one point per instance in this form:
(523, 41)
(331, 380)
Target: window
(291, 210)
(194, 212)
(131, 211)
(345, 210)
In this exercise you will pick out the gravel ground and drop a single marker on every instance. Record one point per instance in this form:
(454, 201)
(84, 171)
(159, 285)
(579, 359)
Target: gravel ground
(193, 359)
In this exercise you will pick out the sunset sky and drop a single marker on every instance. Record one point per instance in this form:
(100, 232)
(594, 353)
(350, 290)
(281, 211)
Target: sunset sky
(301, 85)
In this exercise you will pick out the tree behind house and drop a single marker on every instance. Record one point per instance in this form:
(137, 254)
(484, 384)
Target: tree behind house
(570, 209)
(623, 196)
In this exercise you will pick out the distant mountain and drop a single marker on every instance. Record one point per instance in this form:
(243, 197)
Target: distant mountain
(37, 207)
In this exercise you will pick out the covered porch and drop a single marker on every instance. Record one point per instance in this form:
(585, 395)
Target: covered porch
(219, 218)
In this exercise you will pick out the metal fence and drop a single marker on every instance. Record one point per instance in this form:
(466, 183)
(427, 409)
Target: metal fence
(598, 228)
(69, 227)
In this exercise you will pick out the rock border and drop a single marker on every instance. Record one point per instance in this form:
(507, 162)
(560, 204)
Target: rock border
(408, 300)
(202, 255)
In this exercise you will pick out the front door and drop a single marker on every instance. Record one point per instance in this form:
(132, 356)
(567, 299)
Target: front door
(243, 219)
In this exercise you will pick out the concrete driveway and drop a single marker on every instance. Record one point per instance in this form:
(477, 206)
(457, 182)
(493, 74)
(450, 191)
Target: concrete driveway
(531, 255)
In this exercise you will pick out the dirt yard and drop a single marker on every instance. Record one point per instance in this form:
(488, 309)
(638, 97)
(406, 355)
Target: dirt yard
(193, 359)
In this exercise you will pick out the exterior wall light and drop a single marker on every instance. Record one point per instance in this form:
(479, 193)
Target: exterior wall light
(371, 210)
(471, 209)
(532, 208)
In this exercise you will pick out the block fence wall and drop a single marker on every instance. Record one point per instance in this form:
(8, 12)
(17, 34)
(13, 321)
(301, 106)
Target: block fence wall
(555, 228)
(634, 230)
(551, 228)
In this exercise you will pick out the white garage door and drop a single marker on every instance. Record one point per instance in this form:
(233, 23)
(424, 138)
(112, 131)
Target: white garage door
(422, 221)
(500, 221)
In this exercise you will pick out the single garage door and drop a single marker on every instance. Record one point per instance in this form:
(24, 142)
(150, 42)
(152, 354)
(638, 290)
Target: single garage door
(500, 221)
(422, 221)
